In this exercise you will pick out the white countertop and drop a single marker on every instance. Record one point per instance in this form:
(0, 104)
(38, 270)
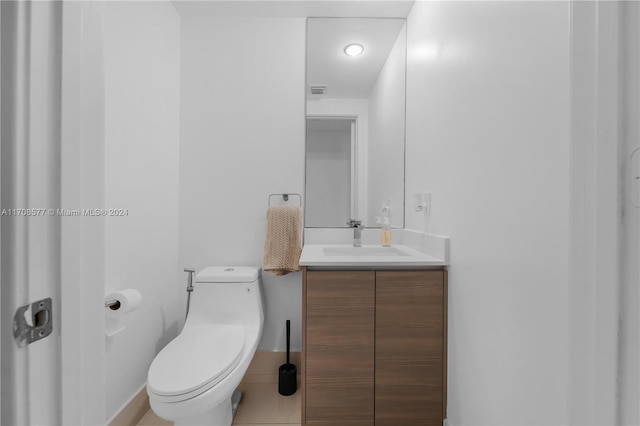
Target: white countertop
(313, 255)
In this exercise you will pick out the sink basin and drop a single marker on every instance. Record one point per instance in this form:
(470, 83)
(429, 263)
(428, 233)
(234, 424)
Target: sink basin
(364, 251)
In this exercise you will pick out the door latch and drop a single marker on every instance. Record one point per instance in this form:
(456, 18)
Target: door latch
(41, 322)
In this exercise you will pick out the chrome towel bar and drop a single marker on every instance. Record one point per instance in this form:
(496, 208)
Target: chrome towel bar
(285, 197)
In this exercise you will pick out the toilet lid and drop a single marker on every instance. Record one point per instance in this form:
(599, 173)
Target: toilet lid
(200, 357)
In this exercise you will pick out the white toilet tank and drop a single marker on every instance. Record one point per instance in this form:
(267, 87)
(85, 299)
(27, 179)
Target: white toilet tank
(227, 295)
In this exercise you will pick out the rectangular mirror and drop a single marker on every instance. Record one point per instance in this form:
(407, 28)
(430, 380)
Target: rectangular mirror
(355, 142)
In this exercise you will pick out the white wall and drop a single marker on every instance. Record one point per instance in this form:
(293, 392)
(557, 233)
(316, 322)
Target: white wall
(142, 106)
(242, 138)
(488, 135)
(358, 108)
(386, 136)
(328, 173)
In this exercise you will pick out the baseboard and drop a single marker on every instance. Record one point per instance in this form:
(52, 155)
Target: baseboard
(264, 366)
(134, 410)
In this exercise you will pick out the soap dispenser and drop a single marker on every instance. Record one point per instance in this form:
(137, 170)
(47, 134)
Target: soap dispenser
(385, 223)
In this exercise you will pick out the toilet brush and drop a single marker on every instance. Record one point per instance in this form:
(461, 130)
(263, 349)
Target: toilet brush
(287, 380)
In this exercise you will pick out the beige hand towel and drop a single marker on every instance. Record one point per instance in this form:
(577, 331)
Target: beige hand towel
(283, 244)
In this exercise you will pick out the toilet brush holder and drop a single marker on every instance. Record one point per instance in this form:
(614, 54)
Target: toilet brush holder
(287, 373)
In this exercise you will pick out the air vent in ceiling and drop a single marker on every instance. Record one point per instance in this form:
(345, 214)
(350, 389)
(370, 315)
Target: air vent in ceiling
(318, 90)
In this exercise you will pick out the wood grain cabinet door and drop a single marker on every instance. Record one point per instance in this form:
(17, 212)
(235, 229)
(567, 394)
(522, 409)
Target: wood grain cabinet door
(339, 363)
(409, 353)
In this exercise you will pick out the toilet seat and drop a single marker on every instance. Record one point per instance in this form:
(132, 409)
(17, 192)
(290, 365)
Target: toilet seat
(195, 361)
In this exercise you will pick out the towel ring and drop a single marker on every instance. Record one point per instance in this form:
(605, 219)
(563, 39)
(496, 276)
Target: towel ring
(285, 197)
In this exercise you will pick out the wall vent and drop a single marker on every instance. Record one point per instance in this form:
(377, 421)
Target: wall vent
(318, 90)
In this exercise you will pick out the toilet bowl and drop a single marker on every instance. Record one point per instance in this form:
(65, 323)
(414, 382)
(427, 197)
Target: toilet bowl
(192, 379)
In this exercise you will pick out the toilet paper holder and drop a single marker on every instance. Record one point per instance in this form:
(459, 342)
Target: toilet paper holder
(114, 304)
(117, 305)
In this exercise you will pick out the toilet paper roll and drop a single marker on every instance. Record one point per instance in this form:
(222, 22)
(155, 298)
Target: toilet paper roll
(129, 300)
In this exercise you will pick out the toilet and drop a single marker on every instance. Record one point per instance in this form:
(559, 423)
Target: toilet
(192, 380)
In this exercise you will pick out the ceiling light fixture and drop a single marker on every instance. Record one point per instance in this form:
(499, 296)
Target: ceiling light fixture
(353, 49)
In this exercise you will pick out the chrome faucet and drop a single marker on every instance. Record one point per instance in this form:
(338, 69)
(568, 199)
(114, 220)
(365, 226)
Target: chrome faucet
(357, 231)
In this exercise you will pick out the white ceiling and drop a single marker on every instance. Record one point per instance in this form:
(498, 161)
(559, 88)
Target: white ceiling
(294, 8)
(346, 76)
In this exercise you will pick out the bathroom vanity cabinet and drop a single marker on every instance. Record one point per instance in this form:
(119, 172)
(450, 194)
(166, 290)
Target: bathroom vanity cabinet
(374, 348)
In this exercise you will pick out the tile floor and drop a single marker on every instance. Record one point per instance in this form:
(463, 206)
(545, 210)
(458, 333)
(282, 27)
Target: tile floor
(261, 405)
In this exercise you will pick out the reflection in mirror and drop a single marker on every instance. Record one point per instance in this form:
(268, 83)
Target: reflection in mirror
(355, 121)
(328, 156)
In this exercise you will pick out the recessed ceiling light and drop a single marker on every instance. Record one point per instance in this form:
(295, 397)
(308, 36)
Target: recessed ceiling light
(353, 49)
